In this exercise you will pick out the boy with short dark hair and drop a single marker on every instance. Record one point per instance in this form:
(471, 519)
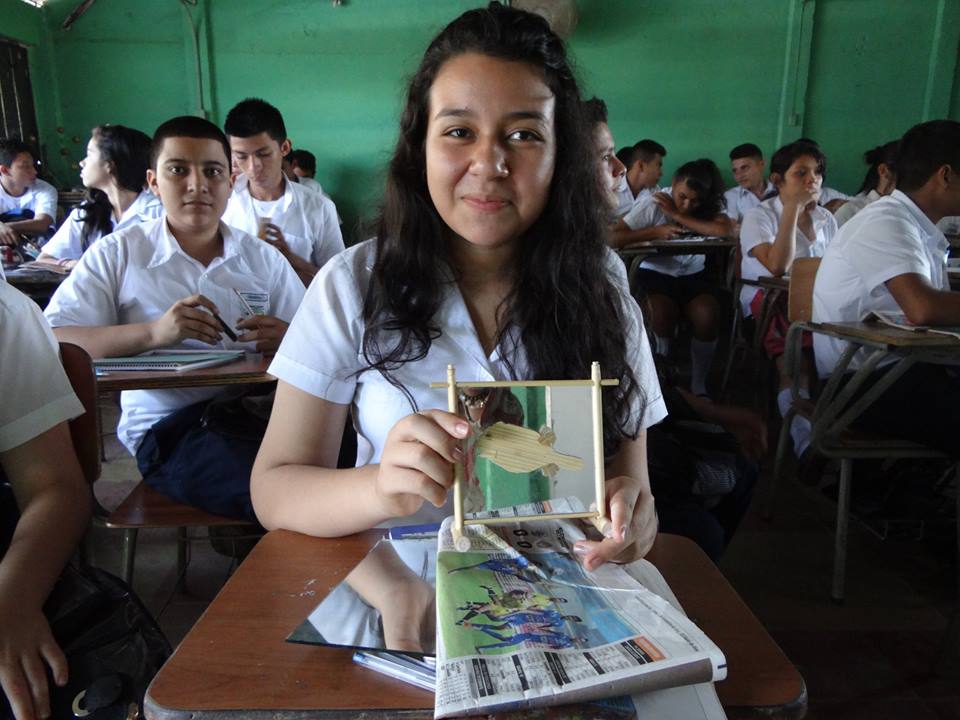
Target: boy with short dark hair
(891, 257)
(747, 165)
(162, 284)
(300, 223)
(28, 205)
(644, 170)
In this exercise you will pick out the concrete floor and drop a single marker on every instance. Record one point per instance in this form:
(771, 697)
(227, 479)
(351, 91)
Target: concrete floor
(868, 658)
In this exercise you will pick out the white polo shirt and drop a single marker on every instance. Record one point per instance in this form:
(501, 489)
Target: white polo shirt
(41, 197)
(829, 195)
(626, 199)
(739, 200)
(67, 242)
(646, 213)
(322, 354)
(854, 205)
(36, 392)
(308, 219)
(891, 237)
(136, 274)
(760, 226)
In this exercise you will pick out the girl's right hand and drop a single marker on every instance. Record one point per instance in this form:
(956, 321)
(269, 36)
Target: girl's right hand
(417, 461)
(668, 231)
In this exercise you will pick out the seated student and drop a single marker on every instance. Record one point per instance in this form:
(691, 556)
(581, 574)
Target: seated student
(489, 256)
(789, 225)
(892, 257)
(644, 164)
(157, 285)
(747, 165)
(830, 198)
(114, 172)
(880, 181)
(302, 165)
(44, 510)
(28, 205)
(684, 477)
(300, 223)
(694, 204)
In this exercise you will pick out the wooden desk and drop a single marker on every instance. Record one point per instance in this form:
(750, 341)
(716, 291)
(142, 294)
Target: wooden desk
(251, 369)
(36, 283)
(769, 282)
(636, 253)
(234, 662)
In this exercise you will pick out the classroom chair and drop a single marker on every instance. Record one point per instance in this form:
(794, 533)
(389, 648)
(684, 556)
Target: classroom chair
(830, 416)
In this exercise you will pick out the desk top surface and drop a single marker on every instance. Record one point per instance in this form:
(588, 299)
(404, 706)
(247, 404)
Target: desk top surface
(678, 246)
(251, 369)
(235, 659)
(770, 282)
(21, 277)
(878, 334)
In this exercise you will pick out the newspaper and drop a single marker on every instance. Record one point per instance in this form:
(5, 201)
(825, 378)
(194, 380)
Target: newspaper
(520, 624)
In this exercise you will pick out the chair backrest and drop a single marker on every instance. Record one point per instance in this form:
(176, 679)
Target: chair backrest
(800, 295)
(83, 429)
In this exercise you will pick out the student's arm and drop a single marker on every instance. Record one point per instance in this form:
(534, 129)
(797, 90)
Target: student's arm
(55, 509)
(183, 320)
(922, 303)
(35, 226)
(621, 235)
(295, 483)
(745, 425)
(630, 509)
(304, 268)
(777, 257)
(266, 331)
(719, 226)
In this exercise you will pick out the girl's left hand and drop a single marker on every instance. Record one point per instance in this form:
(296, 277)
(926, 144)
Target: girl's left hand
(667, 205)
(633, 525)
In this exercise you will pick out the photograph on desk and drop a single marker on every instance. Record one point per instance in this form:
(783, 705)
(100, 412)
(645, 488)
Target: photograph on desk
(521, 624)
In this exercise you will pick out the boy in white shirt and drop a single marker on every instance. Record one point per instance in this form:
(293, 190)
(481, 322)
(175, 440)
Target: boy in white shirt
(748, 166)
(28, 205)
(891, 257)
(159, 284)
(300, 223)
(644, 164)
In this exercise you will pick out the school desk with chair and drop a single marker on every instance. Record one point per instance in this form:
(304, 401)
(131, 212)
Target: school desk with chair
(636, 253)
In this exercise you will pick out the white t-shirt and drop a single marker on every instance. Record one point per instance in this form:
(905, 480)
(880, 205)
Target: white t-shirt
(760, 226)
(41, 197)
(739, 200)
(36, 392)
(308, 219)
(854, 205)
(891, 237)
(646, 213)
(322, 354)
(67, 242)
(136, 274)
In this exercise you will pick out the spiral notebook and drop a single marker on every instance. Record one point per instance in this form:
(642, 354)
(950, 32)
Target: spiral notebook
(167, 360)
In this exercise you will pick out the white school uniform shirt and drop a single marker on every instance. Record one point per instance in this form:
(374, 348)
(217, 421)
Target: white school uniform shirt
(739, 200)
(136, 274)
(829, 195)
(760, 226)
(626, 199)
(67, 242)
(308, 219)
(891, 237)
(646, 213)
(311, 184)
(854, 205)
(36, 392)
(322, 354)
(41, 197)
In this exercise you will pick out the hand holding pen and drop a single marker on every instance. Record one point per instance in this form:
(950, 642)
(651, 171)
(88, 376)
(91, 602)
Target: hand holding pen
(194, 317)
(264, 330)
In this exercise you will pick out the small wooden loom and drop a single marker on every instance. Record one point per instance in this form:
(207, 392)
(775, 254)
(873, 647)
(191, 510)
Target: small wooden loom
(596, 517)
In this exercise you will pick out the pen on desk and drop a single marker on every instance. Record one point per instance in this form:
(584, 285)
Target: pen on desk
(246, 306)
(226, 328)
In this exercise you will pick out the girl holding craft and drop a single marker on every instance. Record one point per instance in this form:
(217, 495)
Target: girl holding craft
(489, 256)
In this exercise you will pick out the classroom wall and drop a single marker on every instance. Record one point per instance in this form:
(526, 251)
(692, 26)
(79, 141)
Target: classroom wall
(699, 76)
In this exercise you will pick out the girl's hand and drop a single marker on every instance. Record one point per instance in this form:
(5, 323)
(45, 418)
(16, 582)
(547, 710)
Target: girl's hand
(668, 232)
(633, 525)
(26, 647)
(799, 195)
(667, 206)
(417, 461)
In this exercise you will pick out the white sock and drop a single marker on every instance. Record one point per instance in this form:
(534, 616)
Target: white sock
(701, 358)
(663, 345)
(800, 428)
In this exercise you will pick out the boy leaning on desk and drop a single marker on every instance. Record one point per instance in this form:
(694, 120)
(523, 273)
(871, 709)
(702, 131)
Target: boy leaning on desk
(169, 282)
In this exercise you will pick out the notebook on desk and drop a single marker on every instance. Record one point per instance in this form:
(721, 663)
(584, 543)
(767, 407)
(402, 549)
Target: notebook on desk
(167, 360)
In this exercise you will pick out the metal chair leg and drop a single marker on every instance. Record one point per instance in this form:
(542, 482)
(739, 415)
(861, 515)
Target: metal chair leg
(183, 559)
(840, 542)
(782, 440)
(128, 554)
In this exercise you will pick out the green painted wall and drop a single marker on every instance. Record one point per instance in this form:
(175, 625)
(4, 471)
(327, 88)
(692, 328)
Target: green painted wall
(699, 76)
